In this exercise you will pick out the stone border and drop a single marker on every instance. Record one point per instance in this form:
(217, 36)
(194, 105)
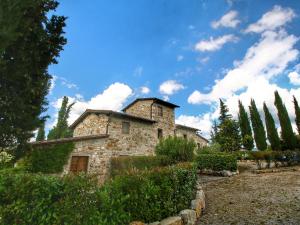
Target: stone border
(186, 216)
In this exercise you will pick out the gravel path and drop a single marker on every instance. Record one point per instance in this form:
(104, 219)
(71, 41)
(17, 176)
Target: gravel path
(270, 198)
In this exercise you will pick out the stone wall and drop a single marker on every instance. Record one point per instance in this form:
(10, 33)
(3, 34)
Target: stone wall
(141, 109)
(93, 124)
(190, 133)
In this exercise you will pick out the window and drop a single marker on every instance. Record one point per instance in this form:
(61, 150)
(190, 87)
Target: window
(198, 145)
(159, 133)
(185, 136)
(159, 110)
(79, 164)
(125, 127)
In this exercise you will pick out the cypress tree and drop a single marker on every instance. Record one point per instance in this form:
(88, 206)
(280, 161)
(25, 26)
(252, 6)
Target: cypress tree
(258, 127)
(297, 112)
(41, 133)
(214, 132)
(245, 128)
(61, 129)
(271, 129)
(287, 135)
(228, 135)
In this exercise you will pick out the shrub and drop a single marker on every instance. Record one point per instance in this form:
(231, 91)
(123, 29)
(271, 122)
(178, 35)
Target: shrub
(177, 148)
(123, 164)
(5, 159)
(210, 149)
(50, 159)
(216, 162)
(43, 199)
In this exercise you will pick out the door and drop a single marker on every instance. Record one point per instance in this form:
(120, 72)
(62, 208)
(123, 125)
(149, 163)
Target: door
(79, 164)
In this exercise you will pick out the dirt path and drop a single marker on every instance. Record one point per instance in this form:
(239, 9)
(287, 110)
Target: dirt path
(272, 198)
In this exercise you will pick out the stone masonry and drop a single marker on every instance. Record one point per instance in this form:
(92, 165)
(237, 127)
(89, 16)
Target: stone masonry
(143, 119)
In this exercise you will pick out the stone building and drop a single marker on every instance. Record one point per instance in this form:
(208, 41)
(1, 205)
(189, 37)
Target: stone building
(101, 134)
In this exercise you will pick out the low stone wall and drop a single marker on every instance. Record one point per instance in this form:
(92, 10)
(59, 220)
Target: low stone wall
(223, 173)
(186, 216)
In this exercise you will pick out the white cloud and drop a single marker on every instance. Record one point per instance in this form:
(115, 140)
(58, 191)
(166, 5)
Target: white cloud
(228, 20)
(166, 98)
(271, 20)
(138, 71)
(214, 44)
(145, 90)
(112, 98)
(266, 58)
(179, 58)
(170, 87)
(294, 78)
(67, 83)
(52, 84)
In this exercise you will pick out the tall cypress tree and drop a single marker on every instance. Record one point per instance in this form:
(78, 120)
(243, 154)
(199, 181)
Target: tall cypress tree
(271, 129)
(245, 128)
(228, 135)
(287, 135)
(41, 133)
(214, 132)
(258, 127)
(61, 129)
(297, 112)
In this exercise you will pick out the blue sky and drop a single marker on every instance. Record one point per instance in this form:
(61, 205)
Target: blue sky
(188, 52)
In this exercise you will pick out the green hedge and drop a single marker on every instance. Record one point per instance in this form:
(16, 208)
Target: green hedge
(176, 148)
(49, 159)
(217, 162)
(43, 199)
(124, 164)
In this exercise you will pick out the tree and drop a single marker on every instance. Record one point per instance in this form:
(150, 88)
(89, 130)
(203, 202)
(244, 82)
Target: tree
(41, 133)
(228, 135)
(258, 127)
(31, 38)
(271, 129)
(287, 135)
(297, 113)
(61, 129)
(245, 128)
(213, 132)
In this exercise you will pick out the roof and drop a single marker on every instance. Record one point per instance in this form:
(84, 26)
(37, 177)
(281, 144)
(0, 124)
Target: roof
(110, 113)
(155, 100)
(70, 139)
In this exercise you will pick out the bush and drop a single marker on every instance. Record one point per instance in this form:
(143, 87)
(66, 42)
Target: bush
(50, 159)
(210, 149)
(124, 164)
(177, 148)
(43, 199)
(217, 162)
(5, 160)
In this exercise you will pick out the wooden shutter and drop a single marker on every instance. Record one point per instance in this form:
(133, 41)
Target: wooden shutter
(79, 164)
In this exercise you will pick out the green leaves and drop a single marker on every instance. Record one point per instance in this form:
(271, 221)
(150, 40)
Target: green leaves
(217, 161)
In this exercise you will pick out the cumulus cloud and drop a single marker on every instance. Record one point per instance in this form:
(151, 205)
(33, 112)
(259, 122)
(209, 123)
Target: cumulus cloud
(272, 20)
(214, 44)
(112, 98)
(294, 78)
(228, 20)
(253, 76)
(170, 87)
(145, 90)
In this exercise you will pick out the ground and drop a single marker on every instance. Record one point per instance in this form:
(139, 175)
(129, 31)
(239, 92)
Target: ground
(249, 198)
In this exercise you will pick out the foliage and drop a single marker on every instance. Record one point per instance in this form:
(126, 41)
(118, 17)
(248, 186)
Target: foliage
(287, 134)
(177, 149)
(41, 133)
(124, 164)
(49, 159)
(271, 130)
(148, 196)
(258, 127)
(297, 113)
(228, 135)
(216, 162)
(5, 159)
(30, 40)
(61, 129)
(214, 132)
(245, 128)
(210, 149)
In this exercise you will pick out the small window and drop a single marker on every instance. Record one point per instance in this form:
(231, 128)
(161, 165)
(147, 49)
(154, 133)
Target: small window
(79, 164)
(185, 136)
(159, 110)
(125, 127)
(198, 145)
(159, 133)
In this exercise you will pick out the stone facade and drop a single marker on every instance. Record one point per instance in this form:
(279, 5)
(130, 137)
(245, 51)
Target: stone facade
(144, 118)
